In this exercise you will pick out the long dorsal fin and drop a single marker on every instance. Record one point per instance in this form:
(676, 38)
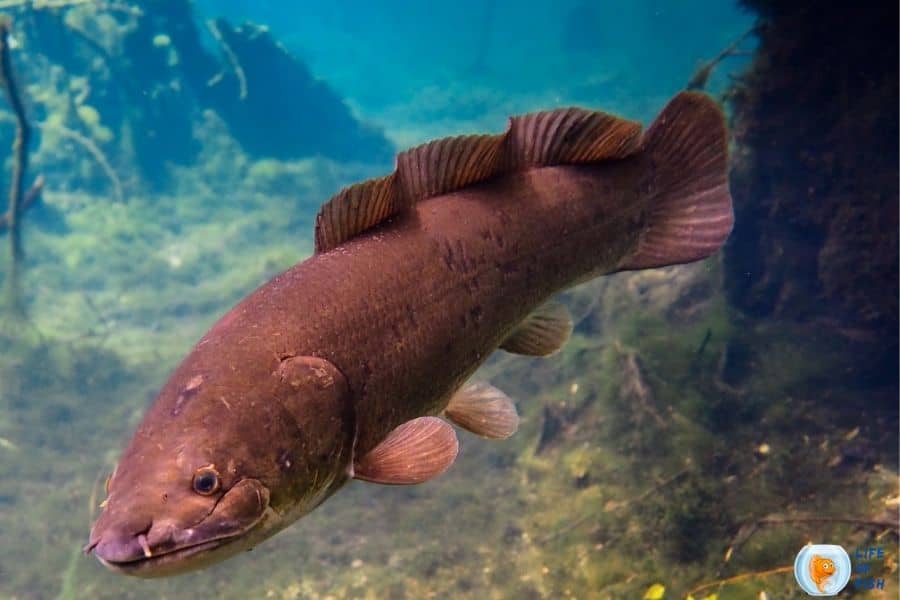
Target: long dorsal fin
(558, 137)
(569, 136)
(357, 208)
(449, 164)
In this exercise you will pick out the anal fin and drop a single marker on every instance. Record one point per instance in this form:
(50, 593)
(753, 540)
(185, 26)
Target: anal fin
(412, 453)
(484, 410)
(542, 333)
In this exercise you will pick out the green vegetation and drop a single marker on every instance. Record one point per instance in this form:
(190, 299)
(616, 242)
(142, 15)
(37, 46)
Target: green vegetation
(649, 476)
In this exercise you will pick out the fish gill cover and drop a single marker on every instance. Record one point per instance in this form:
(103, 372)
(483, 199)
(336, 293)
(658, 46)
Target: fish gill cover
(702, 424)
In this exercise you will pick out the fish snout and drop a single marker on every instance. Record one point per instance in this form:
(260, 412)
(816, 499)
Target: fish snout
(113, 545)
(123, 545)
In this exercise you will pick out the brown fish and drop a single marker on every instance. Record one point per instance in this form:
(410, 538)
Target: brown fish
(339, 367)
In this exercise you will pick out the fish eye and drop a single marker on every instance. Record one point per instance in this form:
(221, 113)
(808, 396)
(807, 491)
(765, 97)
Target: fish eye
(206, 481)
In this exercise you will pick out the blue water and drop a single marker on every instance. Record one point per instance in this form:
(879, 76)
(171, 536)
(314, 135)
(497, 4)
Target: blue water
(179, 177)
(613, 55)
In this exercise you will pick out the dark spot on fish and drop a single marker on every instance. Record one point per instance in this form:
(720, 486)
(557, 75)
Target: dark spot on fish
(476, 312)
(411, 315)
(367, 375)
(507, 268)
(448, 257)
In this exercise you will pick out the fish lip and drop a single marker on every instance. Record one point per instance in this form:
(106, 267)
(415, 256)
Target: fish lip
(133, 567)
(146, 565)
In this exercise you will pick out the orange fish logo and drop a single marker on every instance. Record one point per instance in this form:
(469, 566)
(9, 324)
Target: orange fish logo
(820, 569)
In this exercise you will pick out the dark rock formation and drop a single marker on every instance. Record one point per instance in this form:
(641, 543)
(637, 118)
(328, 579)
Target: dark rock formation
(274, 106)
(149, 74)
(815, 181)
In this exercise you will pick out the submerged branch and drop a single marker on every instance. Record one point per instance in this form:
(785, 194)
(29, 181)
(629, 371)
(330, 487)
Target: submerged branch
(701, 76)
(20, 143)
(748, 530)
(741, 577)
(20, 163)
(98, 155)
(232, 59)
(31, 196)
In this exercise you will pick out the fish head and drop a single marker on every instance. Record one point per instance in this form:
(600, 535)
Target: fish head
(210, 472)
(163, 517)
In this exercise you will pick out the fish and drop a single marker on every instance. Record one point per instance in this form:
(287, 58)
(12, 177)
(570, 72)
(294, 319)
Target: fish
(353, 363)
(820, 569)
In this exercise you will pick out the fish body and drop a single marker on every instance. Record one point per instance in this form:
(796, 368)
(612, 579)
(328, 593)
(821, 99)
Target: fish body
(337, 368)
(820, 570)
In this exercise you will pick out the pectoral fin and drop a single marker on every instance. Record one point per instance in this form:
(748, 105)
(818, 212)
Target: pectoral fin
(412, 453)
(542, 333)
(484, 410)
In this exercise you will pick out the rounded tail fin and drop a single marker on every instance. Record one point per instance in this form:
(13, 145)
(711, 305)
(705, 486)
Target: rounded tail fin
(685, 185)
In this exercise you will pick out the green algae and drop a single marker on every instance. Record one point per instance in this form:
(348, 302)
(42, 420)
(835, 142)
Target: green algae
(629, 491)
(614, 503)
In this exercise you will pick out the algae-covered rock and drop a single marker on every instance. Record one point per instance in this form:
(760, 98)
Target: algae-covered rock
(275, 107)
(815, 177)
(142, 76)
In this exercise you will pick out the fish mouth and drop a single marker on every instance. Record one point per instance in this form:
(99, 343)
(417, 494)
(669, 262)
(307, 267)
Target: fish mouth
(162, 548)
(155, 565)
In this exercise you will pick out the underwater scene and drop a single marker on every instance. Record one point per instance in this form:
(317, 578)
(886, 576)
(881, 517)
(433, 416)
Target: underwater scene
(640, 343)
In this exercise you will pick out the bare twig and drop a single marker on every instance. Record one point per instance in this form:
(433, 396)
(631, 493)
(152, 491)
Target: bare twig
(701, 76)
(98, 155)
(774, 520)
(635, 388)
(749, 529)
(232, 58)
(741, 577)
(20, 143)
(31, 196)
(20, 163)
